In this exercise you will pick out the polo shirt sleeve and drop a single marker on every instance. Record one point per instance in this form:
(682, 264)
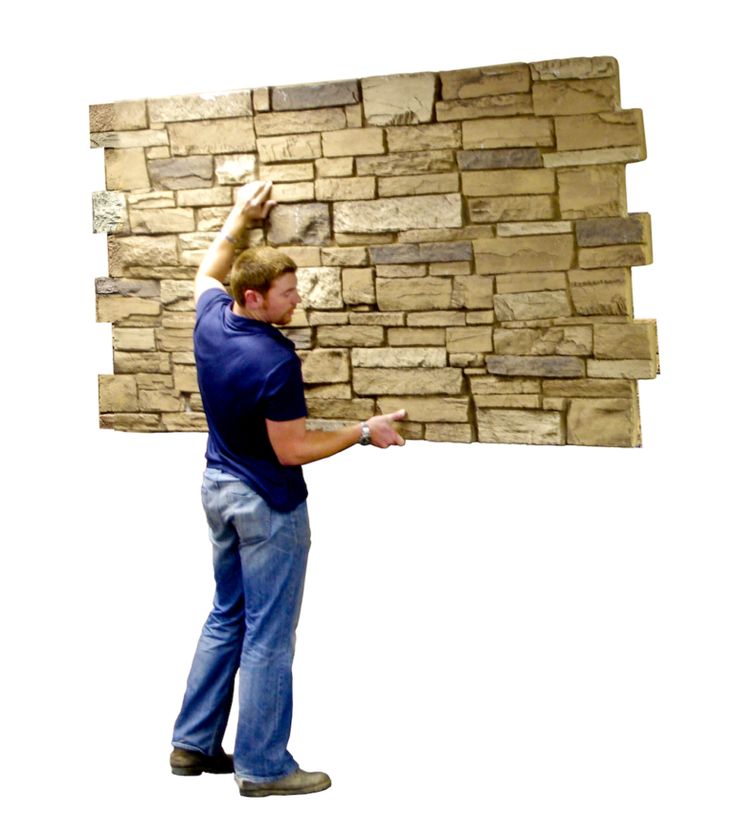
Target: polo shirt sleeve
(283, 393)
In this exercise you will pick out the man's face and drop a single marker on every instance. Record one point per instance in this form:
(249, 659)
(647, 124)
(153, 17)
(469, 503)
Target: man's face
(281, 299)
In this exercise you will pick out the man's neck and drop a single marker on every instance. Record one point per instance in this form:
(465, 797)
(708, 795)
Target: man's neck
(255, 315)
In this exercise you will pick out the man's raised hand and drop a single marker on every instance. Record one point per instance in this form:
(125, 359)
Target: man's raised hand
(252, 199)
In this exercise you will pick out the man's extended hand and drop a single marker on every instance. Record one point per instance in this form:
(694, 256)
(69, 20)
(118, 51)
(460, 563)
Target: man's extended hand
(382, 432)
(252, 199)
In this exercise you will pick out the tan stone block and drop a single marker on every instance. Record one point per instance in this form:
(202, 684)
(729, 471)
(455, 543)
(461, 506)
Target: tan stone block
(395, 213)
(325, 365)
(358, 409)
(301, 337)
(424, 137)
(589, 388)
(456, 268)
(495, 385)
(184, 422)
(400, 270)
(304, 146)
(299, 224)
(600, 130)
(519, 426)
(175, 339)
(448, 433)
(569, 341)
(634, 340)
(373, 318)
(121, 115)
(345, 256)
(133, 339)
(418, 184)
(542, 304)
(154, 382)
(304, 256)
(125, 169)
(498, 158)
(345, 188)
(310, 121)
(471, 362)
(320, 287)
(376, 381)
(152, 221)
(206, 106)
(219, 196)
(235, 169)
(292, 192)
(558, 227)
(603, 422)
(160, 401)
(508, 104)
(470, 339)
(174, 293)
(182, 357)
(595, 191)
(320, 317)
(416, 336)
(334, 391)
(129, 139)
(212, 219)
(353, 112)
(195, 402)
(153, 200)
(554, 404)
(299, 320)
(574, 96)
(480, 317)
(436, 319)
(514, 132)
(428, 409)
(426, 293)
(622, 369)
(559, 68)
(399, 357)
(261, 100)
(287, 172)
(336, 336)
(131, 422)
(133, 362)
(522, 254)
(417, 162)
(335, 167)
(399, 99)
(623, 255)
(125, 310)
(507, 401)
(358, 238)
(353, 142)
(536, 366)
(530, 282)
(185, 378)
(158, 152)
(307, 96)
(181, 173)
(212, 136)
(523, 207)
(150, 274)
(601, 292)
(508, 181)
(117, 393)
(358, 286)
(485, 81)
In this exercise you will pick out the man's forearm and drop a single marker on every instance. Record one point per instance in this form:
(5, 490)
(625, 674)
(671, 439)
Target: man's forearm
(316, 444)
(221, 253)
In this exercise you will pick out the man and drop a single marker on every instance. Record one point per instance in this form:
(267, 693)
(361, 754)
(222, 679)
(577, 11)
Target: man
(254, 498)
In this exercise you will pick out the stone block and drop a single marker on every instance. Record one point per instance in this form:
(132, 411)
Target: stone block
(519, 426)
(287, 172)
(622, 369)
(197, 107)
(328, 391)
(632, 340)
(175, 339)
(160, 401)
(507, 401)
(185, 378)
(236, 169)
(514, 132)
(424, 137)
(125, 169)
(117, 393)
(473, 291)
(143, 288)
(131, 422)
(417, 162)
(542, 304)
(153, 221)
(308, 96)
(508, 104)
(469, 362)
(509, 181)
(292, 192)
(211, 136)
(598, 67)
(319, 287)
(527, 253)
(184, 422)
(109, 213)
(300, 223)
(143, 250)
(456, 268)
(499, 159)
(571, 97)
(393, 214)
(564, 341)
(374, 318)
(428, 409)
(419, 253)
(178, 295)
(399, 99)
(345, 256)
(398, 337)
(358, 286)
(175, 174)
(510, 230)
(470, 339)
(448, 432)
(335, 167)
(212, 218)
(377, 381)
(487, 386)
(261, 100)
(326, 365)
(133, 339)
(589, 388)
(436, 319)
(353, 142)
(593, 191)
(345, 188)
(597, 156)
(357, 409)
(321, 317)
(132, 362)
(336, 336)
(401, 270)
(418, 184)
(512, 208)
(219, 196)
(122, 115)
(304, 256)
(609, 231)
(301, 146)
(536, 366)
(129, 139)
(426, 293)
(480, 317)
(599, 130)
(623, 255)
(603, 422)
(311, 121)
(485, 81)
(399, 358)
(152, 200)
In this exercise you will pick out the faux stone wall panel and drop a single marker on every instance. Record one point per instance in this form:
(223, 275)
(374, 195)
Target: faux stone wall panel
(463, 240)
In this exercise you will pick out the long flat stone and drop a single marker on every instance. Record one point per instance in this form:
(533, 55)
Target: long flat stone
(308, 96)
(507, 366)
(417, 253)
(399, 213)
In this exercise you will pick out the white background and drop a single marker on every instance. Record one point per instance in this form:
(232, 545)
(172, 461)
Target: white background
(501, 639)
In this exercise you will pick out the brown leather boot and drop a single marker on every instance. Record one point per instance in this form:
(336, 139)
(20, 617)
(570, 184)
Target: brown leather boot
(192, 763)
(299, 782)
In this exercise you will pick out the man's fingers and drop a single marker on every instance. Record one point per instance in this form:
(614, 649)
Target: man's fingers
(399, 415)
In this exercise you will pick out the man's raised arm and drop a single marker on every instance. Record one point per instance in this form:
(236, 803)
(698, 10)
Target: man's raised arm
(251, 203)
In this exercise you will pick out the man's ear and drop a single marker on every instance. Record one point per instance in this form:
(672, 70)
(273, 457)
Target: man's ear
(253, 299)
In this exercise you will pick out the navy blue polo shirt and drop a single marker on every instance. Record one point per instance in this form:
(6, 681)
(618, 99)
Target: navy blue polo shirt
(248, 371)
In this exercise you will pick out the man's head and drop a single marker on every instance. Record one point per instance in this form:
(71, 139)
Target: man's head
(263, 285)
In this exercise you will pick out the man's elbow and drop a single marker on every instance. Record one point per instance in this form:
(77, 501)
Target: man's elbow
(290, 456)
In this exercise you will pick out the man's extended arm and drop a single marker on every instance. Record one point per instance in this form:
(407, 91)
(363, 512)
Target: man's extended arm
(251, 204)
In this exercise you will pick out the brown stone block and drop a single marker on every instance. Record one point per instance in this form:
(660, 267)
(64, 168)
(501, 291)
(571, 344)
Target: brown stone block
(325, 365)
(194, 172)
(198, 107)
(345, 188)
(509, 181)
(419, 253)
(399, 99)
(121, 115)
(501, 158)
(184, 422)
(321, 317)
(604, 422)
(608, 231)
(622, 369)
(416, 336)
(399, 357)
(127, 311)
(448, 433)
(509, 104)
(473, 291)
(594, 191)
(154, 382)
(598, 156)
(358, 409)
(572, 97)
(125, 169)
(456, 268)
(418, 184)
(633, 340)
(542, 304)
(624, 255)
(511, 208)
(175, 339)
(485, 81)
(303, 146)
(470, 339)
(392, 214)
(515, 132)
(425, 293)
(536, 366)
(418, 162)
(598, 67)
(359, 238)
(527, 253)
(133, 362)
(335, 167)
(117, 393)
(336, 336)
(589, 388)
(133, 339)
(377, 381)
(307, 96)
(160, 401)
(211, 136)
(358, 286)
(301, 223)
(152, 221)
(185, 378)
(519, 426)
(131, 422)
(311, 121)
(345, 256)
(424, 137)
(428, 409)
(600, 130)
(353, 142)
(564, 341)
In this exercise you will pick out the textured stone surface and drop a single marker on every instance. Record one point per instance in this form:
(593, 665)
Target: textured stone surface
(399, 358)
(530, 252)
(572, 341)
(425, 293)
(124, 115)
(306, 96)
(278, 124)
(536, 366)
(204, 106)
(407, 381)
(518, 132)
(193, 172)
(109, 213)
(399, 99)
(125, 169)
(485, 81)
(603, 422)
(519, 426)
(303, 223)
(425, 212)
(319, 287)
(212, 136)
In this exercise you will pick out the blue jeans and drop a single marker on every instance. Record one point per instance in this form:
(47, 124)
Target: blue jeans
(260, 559)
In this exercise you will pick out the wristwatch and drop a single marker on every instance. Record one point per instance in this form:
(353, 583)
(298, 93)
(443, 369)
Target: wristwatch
(365, 434)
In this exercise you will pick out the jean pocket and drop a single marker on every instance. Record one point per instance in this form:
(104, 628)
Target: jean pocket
(249, 514)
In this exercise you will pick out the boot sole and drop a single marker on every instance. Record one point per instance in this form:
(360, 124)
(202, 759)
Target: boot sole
(186, 770)
(319, 787)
